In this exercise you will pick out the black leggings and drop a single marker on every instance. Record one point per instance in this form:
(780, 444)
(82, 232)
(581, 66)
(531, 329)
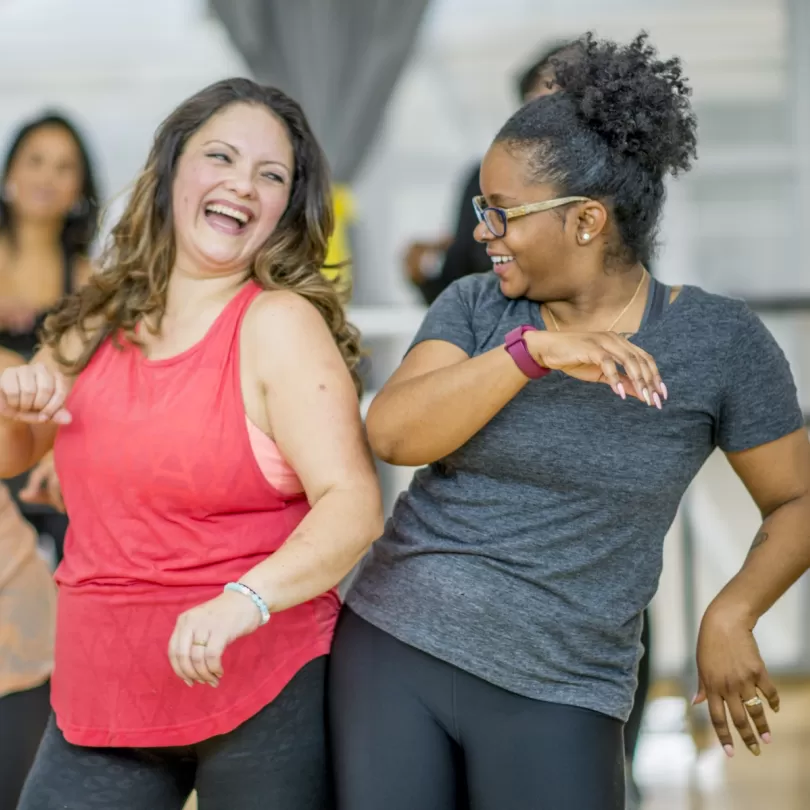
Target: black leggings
(23, 716)
(410, 731)
(277, 760)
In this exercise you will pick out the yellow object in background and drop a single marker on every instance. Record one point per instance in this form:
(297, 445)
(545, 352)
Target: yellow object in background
(339, 246)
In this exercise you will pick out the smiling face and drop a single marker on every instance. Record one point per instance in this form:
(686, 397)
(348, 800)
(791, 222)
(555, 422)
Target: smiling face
(46, 175)
(230, 190)
(541, 255)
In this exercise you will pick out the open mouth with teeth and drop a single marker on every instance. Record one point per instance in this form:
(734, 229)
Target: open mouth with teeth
(226, 219)
(499, 263)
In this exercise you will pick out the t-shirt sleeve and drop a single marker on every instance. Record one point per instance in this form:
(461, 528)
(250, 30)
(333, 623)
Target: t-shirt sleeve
(760, 403)
(450, 318)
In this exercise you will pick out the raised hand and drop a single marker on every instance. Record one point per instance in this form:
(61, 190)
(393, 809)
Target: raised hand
(33, 393)
(598, 357)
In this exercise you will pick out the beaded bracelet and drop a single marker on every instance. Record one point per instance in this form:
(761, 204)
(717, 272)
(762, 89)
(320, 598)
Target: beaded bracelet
(238, 587)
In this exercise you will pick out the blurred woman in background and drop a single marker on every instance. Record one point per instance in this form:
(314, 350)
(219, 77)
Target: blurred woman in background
(27, 616)
(48, 220)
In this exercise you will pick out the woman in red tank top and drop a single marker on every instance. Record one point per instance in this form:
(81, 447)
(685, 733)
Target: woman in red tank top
(199, 396)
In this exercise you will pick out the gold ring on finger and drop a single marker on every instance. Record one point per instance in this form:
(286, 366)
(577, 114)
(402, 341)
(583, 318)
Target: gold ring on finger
(200, 643)
(753, 702)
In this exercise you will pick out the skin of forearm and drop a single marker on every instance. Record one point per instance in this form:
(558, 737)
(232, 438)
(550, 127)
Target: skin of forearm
(328, 543)
(16, 448)
(779, 555)
(423, 419)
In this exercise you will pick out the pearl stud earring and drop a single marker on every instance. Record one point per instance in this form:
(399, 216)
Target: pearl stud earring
(585, 237)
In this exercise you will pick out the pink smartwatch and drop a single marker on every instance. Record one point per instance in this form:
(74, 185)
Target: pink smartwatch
(519, 352)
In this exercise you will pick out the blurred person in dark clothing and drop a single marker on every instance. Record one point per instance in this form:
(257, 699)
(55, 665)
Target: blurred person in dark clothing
(434, 265)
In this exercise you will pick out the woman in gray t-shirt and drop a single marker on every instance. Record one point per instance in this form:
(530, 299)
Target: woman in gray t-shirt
(488, 654)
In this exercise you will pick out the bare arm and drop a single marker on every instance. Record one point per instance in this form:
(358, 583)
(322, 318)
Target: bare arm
(23, 444)
(731, 670)
(777, 475)
(313, 414)
(315, 420)
(439, 398)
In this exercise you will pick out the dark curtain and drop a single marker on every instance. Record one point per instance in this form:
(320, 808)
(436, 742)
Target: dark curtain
(340, 59)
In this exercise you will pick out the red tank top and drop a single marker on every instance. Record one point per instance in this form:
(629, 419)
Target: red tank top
(167, 503)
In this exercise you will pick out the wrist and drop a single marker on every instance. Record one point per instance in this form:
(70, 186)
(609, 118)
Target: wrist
(727, 610)
(249, 594)
(518, 349)
(537, 344)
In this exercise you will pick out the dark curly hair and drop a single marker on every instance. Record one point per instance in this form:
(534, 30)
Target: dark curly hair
(621, 122)
(527, 79)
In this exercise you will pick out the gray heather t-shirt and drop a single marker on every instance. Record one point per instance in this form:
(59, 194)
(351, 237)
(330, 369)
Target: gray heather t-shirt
(527, 556)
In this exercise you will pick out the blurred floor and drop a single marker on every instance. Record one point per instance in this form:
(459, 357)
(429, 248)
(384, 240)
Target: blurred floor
(676, 776)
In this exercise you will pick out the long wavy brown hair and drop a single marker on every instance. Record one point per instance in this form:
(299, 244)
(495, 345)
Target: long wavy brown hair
(133, 277)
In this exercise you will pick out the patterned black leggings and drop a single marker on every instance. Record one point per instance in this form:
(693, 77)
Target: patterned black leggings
(277, 759)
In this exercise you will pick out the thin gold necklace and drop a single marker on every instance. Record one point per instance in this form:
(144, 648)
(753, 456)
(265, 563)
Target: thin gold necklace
(620, 315)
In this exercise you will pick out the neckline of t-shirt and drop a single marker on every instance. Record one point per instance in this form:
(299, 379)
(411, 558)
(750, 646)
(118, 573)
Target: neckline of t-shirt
(646, 328)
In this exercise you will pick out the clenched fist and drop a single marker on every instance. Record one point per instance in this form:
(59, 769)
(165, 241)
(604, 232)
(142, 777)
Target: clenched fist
(33, 393)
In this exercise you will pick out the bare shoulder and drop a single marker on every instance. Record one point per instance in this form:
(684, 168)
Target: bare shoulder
(279, 314)
(292, 346)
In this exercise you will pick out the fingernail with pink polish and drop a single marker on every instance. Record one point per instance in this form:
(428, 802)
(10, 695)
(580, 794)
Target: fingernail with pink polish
(657, 401)
(664, 391)
(729, 750)
(766, 738)
(622, 392)
(646, 394)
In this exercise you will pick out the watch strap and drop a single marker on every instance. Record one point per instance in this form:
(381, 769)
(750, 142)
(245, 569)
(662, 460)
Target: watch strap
(519, 352)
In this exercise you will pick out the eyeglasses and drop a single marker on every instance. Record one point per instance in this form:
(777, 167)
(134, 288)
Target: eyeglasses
(496, 218)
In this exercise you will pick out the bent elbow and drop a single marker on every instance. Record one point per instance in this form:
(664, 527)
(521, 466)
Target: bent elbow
(399, 453)
(391, 447)
(385, 448)
(398, 440)
(384, 441)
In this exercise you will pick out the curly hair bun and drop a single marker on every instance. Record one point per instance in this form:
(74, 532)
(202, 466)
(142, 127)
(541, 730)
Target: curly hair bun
(638, 103)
